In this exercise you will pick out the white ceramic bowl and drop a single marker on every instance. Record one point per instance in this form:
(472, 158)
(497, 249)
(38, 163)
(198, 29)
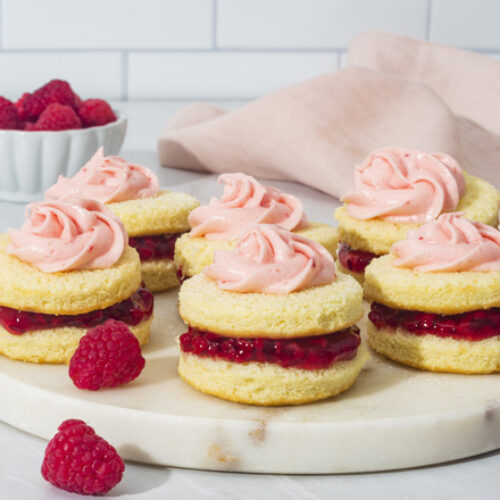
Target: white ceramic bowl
(30, 162)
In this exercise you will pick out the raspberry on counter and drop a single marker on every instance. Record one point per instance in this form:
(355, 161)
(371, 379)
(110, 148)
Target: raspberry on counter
(79, 461)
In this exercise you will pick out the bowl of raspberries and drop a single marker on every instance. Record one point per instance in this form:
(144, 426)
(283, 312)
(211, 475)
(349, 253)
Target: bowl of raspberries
(49, 132)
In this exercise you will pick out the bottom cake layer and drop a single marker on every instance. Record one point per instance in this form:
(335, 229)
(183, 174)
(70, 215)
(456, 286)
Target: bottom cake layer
(268, 384)
(439, 354)
(159, 274)
(55, 345)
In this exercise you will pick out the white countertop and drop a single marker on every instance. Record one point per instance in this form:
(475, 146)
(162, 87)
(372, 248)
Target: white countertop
(22, 454)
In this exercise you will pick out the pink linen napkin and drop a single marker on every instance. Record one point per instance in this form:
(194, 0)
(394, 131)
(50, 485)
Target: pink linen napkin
(395, 92)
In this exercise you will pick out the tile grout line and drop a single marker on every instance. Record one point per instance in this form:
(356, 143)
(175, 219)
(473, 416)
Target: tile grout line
(215, 10)
(183, 50)
(238, 98)
(428, 20)
(1, 27)
(242, 50)
(124, 92)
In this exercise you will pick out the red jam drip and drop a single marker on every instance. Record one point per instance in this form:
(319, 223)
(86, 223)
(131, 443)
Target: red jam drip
(181, 278)
(308, 353)
(354, 260)
(473, 326)
(157, 246)
(131, 311)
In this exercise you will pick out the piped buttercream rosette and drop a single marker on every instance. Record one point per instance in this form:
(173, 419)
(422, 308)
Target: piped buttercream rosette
(65, 235)
(450, 244)
(107, 179)
(405, 186)
(270, 259)
(245, 201)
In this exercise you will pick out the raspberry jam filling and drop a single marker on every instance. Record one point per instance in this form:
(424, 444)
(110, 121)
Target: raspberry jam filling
(157, 246)
(474, 325)
(131, 311)
(308, 353)
(354, 260)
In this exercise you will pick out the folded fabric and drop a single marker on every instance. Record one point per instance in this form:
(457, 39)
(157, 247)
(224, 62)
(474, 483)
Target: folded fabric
(395, 92)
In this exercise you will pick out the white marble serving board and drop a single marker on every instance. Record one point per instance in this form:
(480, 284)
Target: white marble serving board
(393, 417)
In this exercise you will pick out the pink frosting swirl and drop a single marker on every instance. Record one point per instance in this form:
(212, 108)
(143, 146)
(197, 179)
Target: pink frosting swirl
(270, 259)
(245, 201)
(405, 186)
(450, 243)
(65, 235)
(107, 179)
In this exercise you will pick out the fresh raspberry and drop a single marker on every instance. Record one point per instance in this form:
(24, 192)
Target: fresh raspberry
(9, 117)
(28, 126)
(78, 102)
(55, 91)
(58, 117)
(78, 460)
(108, 355)
(94, 112)
(20, 107)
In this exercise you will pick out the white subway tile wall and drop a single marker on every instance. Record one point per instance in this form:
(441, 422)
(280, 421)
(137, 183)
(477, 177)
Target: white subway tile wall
(467, 23)
(313, 23)
(217, 49)
(90, 73)
(217, 75)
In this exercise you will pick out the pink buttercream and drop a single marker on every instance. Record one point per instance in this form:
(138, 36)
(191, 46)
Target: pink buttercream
(245, 201)
(406, 186)
(451, 243)
(270, 259)
(107, 179)
(65, 235)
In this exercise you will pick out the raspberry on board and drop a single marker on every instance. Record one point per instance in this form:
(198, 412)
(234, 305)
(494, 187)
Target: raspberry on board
(79, 461)
(58, 117)
(95, 112)
(108, 355)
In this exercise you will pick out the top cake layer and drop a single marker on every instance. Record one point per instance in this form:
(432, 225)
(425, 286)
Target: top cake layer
(313, 311)
(479, 203)
(434, 292)
(166, 212)
(24, 287)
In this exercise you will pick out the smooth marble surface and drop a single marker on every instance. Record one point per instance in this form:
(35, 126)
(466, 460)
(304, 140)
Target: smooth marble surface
(476, 478)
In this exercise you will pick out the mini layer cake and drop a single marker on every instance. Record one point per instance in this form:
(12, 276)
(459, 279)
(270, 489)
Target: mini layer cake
(400, 189)
(68, 269)
(153, 219)
(436, 298)
(270, 323)
(245, 201)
